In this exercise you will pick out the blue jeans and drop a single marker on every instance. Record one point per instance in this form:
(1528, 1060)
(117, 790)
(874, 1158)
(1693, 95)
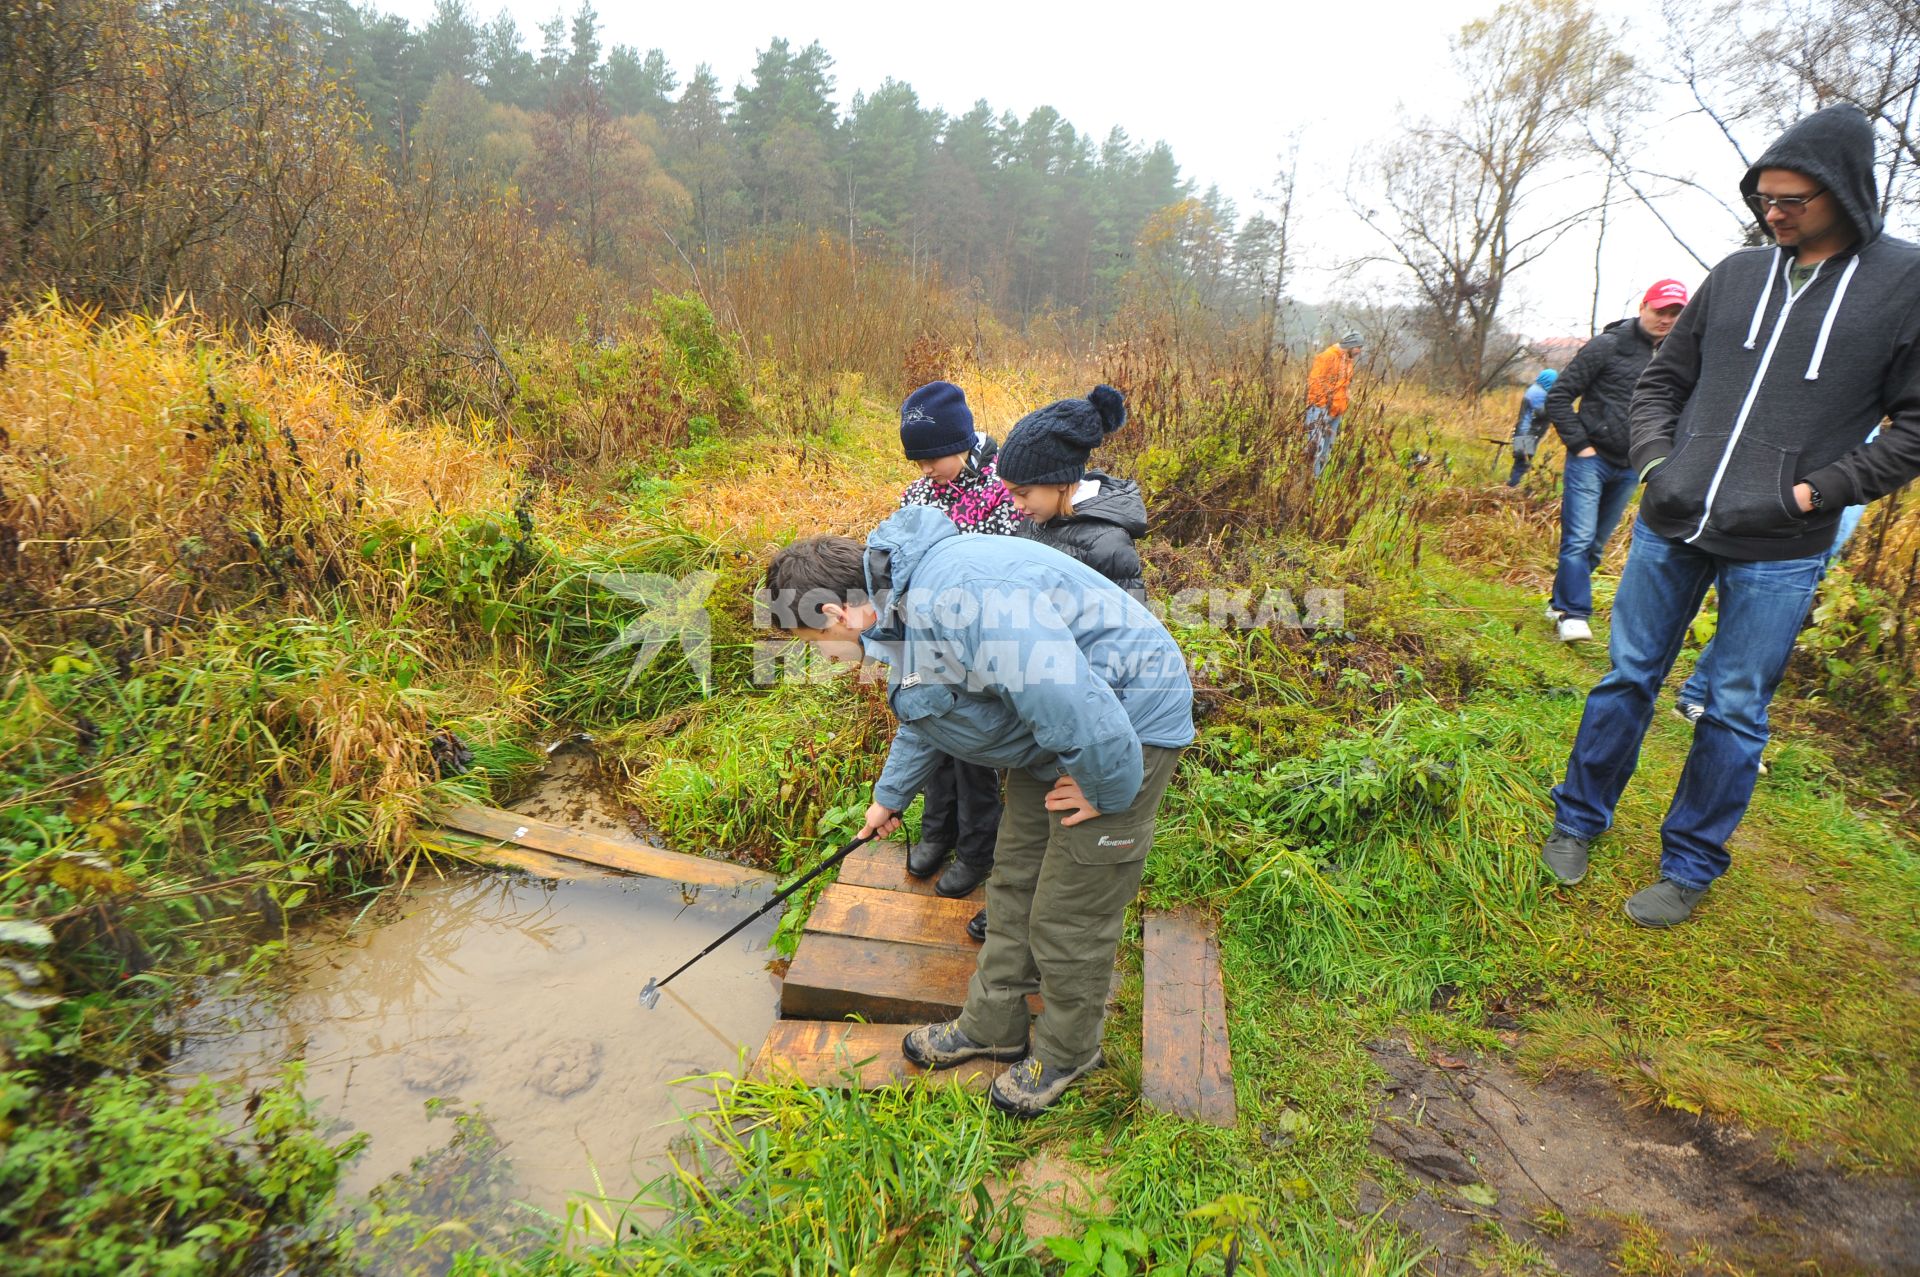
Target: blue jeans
(1322, 429)
(1593, 495)
(1761, 607)
(1695, 690)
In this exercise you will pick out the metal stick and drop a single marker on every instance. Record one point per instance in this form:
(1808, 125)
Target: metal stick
(650, 996)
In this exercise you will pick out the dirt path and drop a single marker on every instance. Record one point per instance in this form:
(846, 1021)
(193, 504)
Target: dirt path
(1601, 1188)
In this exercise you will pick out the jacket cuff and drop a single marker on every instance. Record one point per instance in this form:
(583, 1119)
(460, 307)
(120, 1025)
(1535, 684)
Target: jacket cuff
(1837, 488)
(892, 799)
(1647, 456)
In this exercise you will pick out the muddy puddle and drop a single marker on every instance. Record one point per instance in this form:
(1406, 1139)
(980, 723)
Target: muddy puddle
(515, 998)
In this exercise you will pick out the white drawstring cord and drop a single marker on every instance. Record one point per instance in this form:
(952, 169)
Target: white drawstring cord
(1766, 295)
(1826, 325)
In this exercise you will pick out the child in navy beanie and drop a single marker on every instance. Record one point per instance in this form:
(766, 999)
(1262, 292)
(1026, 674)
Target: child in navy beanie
(956, 461)
(1085, 513)
(961, 815)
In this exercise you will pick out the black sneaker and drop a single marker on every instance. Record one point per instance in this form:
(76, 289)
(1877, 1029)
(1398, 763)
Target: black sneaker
(1689, 712)
(977, 926)
(941, 1046)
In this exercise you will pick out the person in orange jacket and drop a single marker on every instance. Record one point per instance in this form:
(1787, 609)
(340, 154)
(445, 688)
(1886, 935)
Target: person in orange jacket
(1327, 383)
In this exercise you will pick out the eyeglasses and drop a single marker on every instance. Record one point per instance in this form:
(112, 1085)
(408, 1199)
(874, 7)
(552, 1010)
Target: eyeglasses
(1791, 205)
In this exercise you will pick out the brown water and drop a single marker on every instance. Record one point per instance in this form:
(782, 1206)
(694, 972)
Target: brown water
(516, 997)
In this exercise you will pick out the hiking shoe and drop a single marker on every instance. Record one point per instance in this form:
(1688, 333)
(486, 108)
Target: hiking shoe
(1030, 1087)
(1665, 904)
(941, 1046)
(977, 926)
(1689, 711)
(925, 859)
(1566, 857)
(1573, 629)
(960, 879)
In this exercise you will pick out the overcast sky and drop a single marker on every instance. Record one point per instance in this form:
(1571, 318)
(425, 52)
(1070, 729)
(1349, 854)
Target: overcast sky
(1226, 85)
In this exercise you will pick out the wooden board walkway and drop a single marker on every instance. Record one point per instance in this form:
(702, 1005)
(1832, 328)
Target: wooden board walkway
(866, 1056)
(885, 947)
(635, 858)
(882, 945)
(1184, 1064)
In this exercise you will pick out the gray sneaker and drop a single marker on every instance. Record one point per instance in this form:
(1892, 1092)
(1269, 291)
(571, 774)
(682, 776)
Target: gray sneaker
(1566, 857)
(1030, 1087)
(941, 1046)
(1665, 904)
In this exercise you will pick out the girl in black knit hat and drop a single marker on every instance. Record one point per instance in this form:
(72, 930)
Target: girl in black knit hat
(1085, 513)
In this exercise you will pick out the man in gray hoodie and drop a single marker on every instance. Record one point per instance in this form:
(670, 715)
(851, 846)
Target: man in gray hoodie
(1750, 432)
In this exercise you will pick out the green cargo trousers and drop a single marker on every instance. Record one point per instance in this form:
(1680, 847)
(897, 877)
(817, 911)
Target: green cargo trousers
(1055, 906)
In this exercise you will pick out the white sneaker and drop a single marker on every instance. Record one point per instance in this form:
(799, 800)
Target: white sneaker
(1554, 614)
(1574, 630)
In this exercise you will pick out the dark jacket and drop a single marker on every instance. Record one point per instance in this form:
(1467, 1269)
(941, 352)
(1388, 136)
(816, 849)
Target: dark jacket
(1601, 377)
(1100, 532)
(1751, 394)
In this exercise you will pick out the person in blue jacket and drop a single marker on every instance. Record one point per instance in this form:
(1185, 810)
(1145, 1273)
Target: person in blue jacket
(1532, 425)
(1007, 653)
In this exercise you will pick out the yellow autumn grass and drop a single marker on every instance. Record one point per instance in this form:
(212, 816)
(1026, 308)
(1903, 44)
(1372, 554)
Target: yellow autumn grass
(804, 487)
(117, 484)
(809, 487)
(127, 502)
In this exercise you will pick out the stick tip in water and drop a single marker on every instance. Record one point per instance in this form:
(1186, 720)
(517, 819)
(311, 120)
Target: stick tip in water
(650, 996)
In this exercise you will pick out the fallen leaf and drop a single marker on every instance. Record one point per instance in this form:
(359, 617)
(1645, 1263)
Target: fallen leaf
(1481, 1194)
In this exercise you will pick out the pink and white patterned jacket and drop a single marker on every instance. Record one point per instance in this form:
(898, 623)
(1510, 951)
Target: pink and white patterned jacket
(975, 500)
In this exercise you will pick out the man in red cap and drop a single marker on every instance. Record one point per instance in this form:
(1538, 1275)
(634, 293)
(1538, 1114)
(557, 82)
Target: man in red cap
(1598, 481)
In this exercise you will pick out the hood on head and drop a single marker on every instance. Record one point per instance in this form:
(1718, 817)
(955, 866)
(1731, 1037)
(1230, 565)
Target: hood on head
(1118, 501)
(1834, 147)
(894, 552)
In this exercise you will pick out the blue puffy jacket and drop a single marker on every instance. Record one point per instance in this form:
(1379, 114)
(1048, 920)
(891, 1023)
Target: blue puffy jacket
(1008, 653)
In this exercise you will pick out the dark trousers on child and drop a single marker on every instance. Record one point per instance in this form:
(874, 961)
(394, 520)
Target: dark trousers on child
(962, 811)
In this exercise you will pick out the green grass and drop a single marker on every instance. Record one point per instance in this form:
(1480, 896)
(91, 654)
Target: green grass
(1364, 819)
(1362, 814)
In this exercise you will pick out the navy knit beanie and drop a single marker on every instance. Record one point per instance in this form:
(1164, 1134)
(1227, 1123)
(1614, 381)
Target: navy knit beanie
(936, 422)
(1050, 444)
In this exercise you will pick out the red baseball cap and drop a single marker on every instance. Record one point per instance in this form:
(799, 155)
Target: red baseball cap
(1668, 292)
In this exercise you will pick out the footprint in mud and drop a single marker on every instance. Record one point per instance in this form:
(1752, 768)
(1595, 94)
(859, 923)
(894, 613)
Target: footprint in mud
(434, 1070)
(562, 938)
(567, 1067)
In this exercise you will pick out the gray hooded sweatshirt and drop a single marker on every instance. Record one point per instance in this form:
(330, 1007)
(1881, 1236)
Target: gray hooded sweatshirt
(1755, 391)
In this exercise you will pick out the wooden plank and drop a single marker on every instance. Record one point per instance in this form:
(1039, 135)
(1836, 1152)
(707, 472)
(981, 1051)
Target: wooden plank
(863, 1056)
(538, 863)
(836, 976)
(1185, 1066)
(869, 913)
(884, 865)
(634, 858)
